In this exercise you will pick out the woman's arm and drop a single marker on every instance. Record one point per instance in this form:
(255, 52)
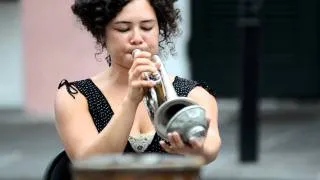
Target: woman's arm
(212, 143)
(78, 132)
(208, 148)
(76, 127)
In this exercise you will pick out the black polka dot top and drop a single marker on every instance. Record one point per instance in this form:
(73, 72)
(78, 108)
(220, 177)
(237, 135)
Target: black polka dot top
(101, 111)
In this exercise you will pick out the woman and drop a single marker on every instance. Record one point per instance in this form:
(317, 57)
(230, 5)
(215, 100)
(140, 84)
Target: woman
(105, 113)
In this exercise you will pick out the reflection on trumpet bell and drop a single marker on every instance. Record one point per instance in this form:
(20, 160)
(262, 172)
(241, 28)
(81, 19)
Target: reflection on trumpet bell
(183, 116)
(189, 122)
(168, 112)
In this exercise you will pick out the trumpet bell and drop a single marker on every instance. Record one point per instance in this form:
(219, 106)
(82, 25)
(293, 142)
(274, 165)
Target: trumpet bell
(183, 116)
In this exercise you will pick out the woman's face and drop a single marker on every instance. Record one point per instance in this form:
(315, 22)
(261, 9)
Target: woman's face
(135, 26)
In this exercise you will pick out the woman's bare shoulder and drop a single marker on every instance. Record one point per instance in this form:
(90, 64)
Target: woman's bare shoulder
(68, 96)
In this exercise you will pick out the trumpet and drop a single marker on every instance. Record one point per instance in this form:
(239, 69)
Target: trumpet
(169, 112)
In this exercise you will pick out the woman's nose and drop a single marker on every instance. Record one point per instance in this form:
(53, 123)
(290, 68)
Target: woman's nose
(136, 38)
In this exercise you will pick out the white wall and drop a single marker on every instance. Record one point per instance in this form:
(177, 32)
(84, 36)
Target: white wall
(11, 80)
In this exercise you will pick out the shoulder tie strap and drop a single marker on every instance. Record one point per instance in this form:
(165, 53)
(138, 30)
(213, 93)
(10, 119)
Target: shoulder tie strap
(71, 89)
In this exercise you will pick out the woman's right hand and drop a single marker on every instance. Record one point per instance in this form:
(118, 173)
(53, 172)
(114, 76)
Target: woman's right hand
(137, 83)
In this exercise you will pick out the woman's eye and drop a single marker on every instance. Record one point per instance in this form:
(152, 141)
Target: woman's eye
(123, 29)
(146, 28)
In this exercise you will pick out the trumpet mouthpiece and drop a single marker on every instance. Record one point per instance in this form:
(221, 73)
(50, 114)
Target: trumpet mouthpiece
(134, 52)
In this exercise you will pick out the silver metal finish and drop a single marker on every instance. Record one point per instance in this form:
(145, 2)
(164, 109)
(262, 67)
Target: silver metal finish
(169, 112)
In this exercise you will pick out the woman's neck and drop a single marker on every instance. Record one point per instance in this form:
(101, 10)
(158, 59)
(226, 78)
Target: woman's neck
(118, 75)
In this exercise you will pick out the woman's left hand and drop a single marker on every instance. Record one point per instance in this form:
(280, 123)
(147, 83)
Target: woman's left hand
(177, 146)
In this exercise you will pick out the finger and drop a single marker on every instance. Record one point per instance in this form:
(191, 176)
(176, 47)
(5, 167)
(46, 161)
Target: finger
(171, 140)
(177, 140)
(157, 65)
(196, 143)
(142, 54)
(140, 70)
(143, 83)
(166, 146)
(138, 55)
(142, 61)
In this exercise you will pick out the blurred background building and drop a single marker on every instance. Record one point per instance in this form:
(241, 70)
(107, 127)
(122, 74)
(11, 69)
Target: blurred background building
(42, 43)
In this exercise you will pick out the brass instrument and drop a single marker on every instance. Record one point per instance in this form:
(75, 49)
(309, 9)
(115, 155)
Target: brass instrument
(169, 112)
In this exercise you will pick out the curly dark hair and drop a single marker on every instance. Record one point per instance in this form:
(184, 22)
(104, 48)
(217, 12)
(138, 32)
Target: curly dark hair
(96, 14)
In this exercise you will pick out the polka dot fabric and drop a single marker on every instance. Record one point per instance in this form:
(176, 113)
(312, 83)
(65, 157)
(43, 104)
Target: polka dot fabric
(99, 107)
(101, 111)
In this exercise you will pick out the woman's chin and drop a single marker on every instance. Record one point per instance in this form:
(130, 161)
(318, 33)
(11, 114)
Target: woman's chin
(128, 59)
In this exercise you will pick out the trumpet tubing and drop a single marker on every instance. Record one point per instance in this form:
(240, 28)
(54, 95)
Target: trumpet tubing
(168, 111)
